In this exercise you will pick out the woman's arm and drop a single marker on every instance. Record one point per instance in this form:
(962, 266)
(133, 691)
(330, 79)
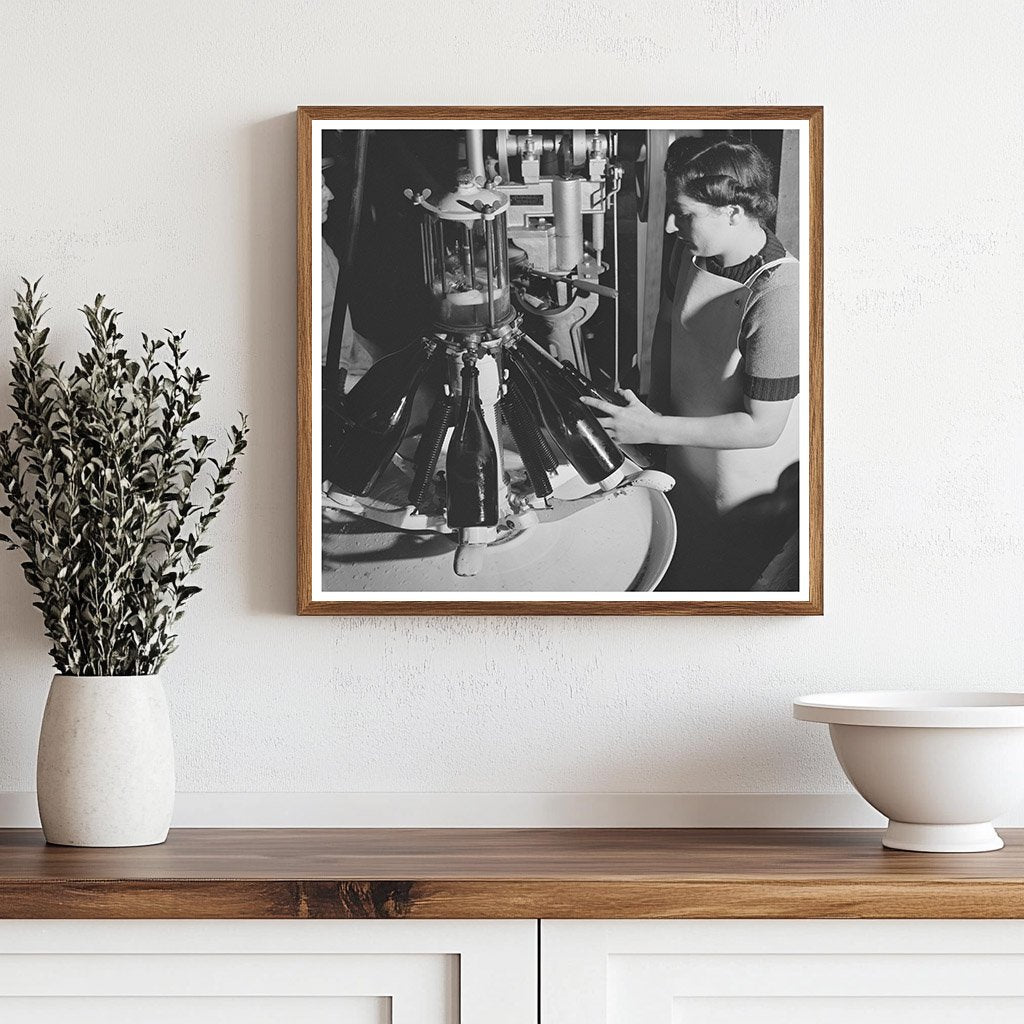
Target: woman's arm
(758, 425)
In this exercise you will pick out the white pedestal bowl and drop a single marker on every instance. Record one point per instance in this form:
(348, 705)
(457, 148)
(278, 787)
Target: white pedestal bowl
(940, 766)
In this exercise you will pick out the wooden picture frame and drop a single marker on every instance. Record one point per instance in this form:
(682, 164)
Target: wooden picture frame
(808, 600)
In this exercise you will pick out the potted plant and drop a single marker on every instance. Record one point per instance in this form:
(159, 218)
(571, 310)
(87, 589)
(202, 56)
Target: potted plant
(109, 496)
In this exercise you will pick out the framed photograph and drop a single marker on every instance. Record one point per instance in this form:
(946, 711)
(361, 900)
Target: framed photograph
(560, 361)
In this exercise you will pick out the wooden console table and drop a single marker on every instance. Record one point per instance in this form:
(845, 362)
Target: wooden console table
(497, 926)
(507, 874)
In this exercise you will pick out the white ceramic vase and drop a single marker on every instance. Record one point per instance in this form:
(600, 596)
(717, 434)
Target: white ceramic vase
(105, 771)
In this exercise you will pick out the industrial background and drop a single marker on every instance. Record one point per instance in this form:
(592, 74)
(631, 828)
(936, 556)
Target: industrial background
(577, 261)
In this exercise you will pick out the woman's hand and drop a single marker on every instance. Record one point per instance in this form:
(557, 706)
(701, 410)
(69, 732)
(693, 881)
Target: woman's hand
(627, 424)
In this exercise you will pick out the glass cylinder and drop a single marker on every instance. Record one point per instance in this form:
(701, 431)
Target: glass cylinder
(465, 259)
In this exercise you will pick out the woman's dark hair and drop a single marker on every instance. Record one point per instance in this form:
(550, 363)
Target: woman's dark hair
(723, 174)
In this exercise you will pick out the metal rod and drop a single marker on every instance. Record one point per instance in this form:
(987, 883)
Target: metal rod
(467, 261)
(580, 283)
(425, 249)
(495, 236)
(488, 233)
(614, 200)
(475, 152)
(438, 233)
(540, 348)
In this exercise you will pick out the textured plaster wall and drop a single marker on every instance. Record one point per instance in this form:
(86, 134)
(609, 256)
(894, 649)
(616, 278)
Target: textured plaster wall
(148, 152)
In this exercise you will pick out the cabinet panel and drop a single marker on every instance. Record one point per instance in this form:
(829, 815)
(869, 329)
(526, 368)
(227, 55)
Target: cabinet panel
(848, 1010)
(303, 972)
(798, 972)
(188, 1010)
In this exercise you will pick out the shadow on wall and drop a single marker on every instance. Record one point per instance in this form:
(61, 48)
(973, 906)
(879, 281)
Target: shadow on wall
(269, 308)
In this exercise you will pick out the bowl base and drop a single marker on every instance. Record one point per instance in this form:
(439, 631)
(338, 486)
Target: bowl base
(979, 838)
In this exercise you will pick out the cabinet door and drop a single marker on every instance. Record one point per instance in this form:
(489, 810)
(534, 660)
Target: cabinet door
(782, 972)
(258, 972)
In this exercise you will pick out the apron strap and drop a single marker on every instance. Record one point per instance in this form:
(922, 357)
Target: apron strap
(768, 266)
(760, 270)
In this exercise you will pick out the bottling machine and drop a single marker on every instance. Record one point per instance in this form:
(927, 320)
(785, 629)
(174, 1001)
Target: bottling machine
(506, 429)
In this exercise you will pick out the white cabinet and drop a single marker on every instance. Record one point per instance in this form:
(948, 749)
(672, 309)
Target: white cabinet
(486, 972)
(782, 972)
(257, 972)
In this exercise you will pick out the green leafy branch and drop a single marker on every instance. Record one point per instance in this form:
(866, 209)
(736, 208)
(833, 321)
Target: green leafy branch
(109, 495)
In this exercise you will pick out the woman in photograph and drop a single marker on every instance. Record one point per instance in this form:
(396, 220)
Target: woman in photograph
(725, 373)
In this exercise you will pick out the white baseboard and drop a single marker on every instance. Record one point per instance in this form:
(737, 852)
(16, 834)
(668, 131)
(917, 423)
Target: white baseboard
(503, 810)
(494, 810)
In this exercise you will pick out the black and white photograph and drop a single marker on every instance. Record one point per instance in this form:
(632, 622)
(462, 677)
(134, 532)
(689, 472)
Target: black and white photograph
(561, 361)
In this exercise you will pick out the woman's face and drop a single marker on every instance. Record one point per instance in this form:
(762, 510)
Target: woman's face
(702, 228)
(326, 195)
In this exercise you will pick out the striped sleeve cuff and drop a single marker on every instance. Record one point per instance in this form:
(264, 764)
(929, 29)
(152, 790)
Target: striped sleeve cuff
(771, 389)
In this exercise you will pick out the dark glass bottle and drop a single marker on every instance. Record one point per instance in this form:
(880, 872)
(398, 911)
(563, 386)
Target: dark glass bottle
(471, 470)
(363, 434)
(565, 375)
(571, 424)
(527, 433)
(583, 385)
(389, 374)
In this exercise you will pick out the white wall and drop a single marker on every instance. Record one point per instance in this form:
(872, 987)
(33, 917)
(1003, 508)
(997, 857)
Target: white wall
(148, 152)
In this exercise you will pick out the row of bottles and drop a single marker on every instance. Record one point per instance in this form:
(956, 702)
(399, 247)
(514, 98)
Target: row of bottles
(573, 426)
(541, 405)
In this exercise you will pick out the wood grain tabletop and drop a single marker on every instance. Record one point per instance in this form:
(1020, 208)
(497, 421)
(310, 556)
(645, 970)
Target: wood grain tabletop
(508, 873)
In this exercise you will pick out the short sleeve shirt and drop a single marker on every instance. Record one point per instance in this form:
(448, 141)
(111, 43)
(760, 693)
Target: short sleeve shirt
(769, 338)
